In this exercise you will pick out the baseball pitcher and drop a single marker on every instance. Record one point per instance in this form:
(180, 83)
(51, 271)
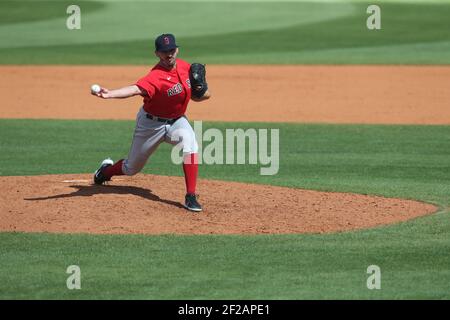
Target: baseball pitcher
(166, 91)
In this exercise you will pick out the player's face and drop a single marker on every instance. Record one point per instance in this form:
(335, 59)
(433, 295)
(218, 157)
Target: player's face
(167, 58)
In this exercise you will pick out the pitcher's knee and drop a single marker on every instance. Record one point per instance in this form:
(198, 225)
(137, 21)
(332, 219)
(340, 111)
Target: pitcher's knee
(189, 143)
(191, 147)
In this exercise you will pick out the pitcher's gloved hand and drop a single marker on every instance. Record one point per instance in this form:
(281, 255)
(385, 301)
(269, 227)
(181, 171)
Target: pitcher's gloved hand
(197, 77)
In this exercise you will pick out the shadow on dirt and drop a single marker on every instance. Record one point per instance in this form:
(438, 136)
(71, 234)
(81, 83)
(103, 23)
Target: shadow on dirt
(90, 190)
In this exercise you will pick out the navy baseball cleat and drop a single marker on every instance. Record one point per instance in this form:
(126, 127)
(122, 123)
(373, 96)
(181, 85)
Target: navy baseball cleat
(99, 177)
(191, 203)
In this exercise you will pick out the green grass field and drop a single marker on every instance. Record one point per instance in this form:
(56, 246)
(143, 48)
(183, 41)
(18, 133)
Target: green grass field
(274, 32)
(394, 161)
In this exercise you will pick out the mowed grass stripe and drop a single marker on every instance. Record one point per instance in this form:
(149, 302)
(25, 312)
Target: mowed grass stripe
(411, 257)
(269, 33)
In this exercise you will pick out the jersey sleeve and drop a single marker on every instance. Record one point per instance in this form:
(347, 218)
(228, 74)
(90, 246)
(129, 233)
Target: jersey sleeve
(147, 84)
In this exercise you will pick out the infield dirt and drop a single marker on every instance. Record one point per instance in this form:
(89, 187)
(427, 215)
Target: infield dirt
(148, 203)
(309, 94)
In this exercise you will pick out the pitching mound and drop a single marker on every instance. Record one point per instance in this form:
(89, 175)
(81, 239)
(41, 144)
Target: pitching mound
(153, 205)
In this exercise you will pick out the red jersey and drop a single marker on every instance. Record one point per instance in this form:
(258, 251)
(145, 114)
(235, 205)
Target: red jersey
(169, 91)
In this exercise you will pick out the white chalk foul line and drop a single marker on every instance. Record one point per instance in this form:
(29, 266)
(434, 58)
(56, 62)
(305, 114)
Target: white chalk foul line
(77, 181)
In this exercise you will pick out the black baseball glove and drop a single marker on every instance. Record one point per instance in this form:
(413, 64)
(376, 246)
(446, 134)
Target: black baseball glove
(197, 77)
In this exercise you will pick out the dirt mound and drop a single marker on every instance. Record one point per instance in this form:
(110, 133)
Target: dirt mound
(151, 204)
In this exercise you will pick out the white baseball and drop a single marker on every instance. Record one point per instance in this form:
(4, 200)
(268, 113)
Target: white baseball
(95, 88)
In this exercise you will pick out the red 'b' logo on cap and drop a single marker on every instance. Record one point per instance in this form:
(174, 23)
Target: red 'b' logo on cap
(166, 40)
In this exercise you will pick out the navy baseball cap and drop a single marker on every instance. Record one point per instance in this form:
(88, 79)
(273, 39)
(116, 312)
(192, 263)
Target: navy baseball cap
(165, 42)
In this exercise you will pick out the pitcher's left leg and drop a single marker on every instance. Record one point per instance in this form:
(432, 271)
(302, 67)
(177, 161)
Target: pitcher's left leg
(181, 132)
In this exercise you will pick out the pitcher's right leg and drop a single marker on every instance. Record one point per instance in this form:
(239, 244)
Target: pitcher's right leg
(148, 134)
